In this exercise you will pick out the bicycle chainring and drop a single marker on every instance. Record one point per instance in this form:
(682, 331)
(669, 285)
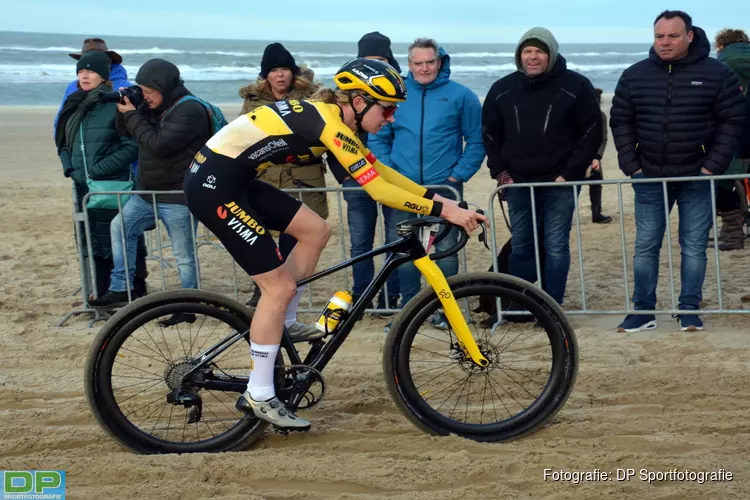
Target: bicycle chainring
(307, 380)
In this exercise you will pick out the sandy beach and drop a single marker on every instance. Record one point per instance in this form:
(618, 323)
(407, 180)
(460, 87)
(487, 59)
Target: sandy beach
(658, 400)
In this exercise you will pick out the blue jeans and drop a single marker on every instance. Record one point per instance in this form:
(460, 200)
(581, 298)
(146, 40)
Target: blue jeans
(409, 276)
(362, 212)
(138, 217)
(694, 202)
(554, 212)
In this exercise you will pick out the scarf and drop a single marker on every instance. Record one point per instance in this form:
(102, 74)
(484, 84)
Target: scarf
(77, 105)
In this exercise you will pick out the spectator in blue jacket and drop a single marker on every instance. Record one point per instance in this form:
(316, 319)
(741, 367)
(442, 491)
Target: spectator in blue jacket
(436, 139)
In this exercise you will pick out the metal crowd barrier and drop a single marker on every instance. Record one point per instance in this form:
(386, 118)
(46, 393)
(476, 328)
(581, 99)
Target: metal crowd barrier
(85, 287)
(627, 309)
(157, 244)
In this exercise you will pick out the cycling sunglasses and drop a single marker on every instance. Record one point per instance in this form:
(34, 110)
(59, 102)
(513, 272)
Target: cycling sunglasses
(388, 111)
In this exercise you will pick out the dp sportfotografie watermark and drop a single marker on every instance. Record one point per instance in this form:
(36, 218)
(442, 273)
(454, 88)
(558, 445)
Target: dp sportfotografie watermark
(649, 476)
(32, 485)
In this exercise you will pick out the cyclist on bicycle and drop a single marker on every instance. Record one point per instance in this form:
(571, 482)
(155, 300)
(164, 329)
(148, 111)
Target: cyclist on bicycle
(224, 194)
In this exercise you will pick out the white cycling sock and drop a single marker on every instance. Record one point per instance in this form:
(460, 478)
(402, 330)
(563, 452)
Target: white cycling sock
(260, 384)
(291, 311)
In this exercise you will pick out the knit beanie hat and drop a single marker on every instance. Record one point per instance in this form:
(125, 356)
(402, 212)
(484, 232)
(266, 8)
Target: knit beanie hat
(535, 43)
(377, 44)
(96, 61)
(276, 56)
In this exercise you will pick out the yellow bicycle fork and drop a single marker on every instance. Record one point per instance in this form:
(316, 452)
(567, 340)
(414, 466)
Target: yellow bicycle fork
(456, 320)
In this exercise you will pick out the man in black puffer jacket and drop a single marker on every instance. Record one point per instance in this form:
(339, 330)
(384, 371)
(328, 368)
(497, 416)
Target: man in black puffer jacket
(678, 113)
(169, 132)
(541, 124)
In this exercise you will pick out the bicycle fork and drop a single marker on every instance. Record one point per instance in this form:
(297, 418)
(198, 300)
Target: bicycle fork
(436, 279)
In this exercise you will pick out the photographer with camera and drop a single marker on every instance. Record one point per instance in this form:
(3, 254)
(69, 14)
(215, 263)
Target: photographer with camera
(169, 132)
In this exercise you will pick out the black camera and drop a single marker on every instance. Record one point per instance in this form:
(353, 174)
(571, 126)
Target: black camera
(134, 93)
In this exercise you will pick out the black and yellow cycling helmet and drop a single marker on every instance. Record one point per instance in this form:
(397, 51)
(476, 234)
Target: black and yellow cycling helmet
(375, 78)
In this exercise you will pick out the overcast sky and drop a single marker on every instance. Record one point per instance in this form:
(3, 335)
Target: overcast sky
(572, 21)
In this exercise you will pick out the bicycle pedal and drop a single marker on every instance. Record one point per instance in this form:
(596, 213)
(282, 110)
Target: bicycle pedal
(284, 431)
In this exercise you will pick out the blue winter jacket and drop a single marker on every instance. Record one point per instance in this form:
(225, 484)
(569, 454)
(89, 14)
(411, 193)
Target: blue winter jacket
(117, 75)
(426, 142)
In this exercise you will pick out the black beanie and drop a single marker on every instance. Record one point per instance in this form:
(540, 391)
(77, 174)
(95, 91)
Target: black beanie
(96, 61)
(377, 44)
(533, 42)
(276, 56)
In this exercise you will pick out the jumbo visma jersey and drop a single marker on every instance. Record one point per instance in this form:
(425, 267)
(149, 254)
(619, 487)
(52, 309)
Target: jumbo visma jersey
(300, 132)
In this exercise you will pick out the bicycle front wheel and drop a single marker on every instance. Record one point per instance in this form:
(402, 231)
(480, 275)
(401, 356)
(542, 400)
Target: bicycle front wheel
(532, 351)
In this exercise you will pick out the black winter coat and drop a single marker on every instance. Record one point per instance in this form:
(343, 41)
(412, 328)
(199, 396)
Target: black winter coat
(542, 127)
(672, 119)
(166, 146)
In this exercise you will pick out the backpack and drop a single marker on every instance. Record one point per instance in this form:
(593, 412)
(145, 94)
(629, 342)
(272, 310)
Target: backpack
(214, 113)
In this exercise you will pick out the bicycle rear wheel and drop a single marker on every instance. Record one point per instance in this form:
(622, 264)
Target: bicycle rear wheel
(533, 361)
(136, 368)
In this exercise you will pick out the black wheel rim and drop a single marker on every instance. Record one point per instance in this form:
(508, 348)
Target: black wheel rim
(143, 362)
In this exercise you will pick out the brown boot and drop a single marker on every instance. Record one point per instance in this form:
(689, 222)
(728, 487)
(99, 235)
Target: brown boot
(734, 237)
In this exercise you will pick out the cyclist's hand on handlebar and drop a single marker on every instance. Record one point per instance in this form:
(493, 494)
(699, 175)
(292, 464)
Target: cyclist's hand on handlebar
(468, 219)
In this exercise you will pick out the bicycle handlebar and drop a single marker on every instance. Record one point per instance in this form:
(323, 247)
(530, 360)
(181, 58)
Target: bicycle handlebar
(463, 237)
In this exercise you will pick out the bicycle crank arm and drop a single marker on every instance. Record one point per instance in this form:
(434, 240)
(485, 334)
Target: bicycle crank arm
(437, 281)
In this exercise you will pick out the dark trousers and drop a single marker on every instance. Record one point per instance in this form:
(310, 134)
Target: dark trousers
(595, 192)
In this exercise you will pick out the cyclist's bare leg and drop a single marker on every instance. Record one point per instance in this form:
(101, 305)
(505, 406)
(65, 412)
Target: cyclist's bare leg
(277, 290)
(312, 234)
(278, 286)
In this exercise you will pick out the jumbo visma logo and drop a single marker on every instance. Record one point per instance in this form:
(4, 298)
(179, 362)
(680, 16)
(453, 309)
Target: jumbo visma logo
(243, 223)
(33, 484)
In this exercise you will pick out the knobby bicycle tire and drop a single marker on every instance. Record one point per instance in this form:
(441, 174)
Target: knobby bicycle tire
(97, 381)
(549, 315)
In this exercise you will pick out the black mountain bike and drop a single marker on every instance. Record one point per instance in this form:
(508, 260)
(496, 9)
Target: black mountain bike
(173, 390)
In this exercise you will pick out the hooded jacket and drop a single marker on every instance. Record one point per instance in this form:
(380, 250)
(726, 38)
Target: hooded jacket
(539, 128)
(547, 38)
(167, 142)
(426, 142)
(672, 119)
(117, 75)
(737, 57)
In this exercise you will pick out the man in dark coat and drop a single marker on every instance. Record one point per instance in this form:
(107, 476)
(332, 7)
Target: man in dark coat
(678, 113)
(541, 124)
(169, 133)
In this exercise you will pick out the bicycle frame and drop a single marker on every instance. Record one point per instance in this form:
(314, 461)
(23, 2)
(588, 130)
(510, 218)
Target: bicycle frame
(406, 249)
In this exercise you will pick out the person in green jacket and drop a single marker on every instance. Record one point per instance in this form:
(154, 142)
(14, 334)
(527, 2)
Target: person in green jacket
(733, 49)
(86, 126)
